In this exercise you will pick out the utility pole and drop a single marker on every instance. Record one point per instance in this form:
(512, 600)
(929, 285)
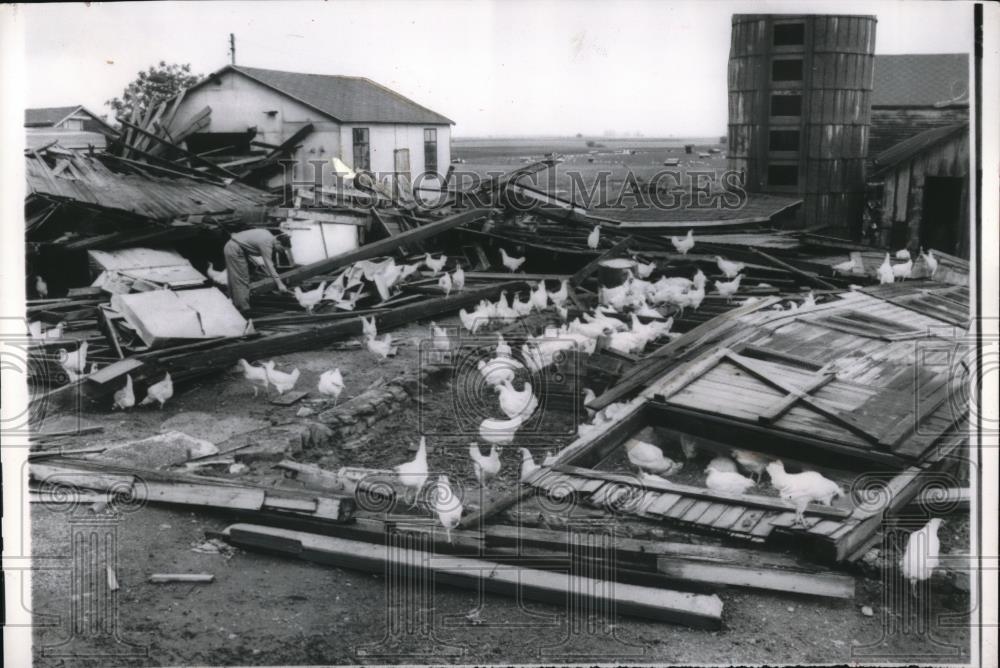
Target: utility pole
(232, 49)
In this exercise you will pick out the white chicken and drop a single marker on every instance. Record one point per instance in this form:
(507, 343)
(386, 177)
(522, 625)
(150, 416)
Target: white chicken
(218, 277)
(512, 263)
(516, 403)
(440, 343)
(885, 273)
(588, 396)
(903, 270)
(922, 554)
(125, 397)
(752, 462)
(650, 458)
(848, 267)
(809, 301)
(368, 328)
(413, 474)
(930, 261)
(801, 489)
(435, 264)
(331, 384)
(472, 321)
(445, 284)
(728, 267)
(503, 348)
(500, 432)
(683, 244)
(498, 370)
(282, 381)
(539, 298)
(485, 468)
(458, 279)
(446, 505)
(256, 375)
(594, 238)
(382, 348)
(528, 465)
(644, 270)
(727, 481)
(723, 464)
(520, 308)
(560, 296)
(728, 289)
(41, 287)
(308, 300)
(159, 392)
(75, 361)
(902, 254)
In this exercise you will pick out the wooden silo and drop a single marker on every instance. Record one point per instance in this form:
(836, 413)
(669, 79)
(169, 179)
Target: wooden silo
(800, 110)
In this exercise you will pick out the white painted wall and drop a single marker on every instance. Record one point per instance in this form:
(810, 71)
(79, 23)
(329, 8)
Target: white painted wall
(239, 103)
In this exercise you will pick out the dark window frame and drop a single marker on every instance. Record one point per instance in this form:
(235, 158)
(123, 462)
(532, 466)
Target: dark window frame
(782, 112)
(789, 34)
(772, 174)
(430, 150)
(361, 143)
(780, 69)
(782, 136)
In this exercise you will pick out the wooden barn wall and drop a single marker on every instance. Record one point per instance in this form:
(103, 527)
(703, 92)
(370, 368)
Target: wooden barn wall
(903, 195)
(891, 125)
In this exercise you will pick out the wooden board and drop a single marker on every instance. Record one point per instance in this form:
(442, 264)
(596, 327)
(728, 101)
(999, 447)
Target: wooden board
(698, 610)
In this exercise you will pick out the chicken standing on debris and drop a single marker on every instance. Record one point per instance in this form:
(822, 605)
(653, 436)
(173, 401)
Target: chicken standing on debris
(75, 361)
(435, 265)
(845, 267)
(503, 348)
(445, 284)
(331, 384)
(498, 370)
(446, 505)
(283, 382)
(729, 268)
(440, 343)
(539, 297)
(218, 277)
(903, 254)
(125, 397)
(472, 321)
(922, 554)
(368, 329)
(724, 464)
(727, 481)
(885, 273)
(413, 474)
(257, 375)
(560, 296)
(930, 261)
(308, 300)
(485, 468)
(512, 263)
(645, 270)
(594, 238)
(458, 279)
(41, 287)
(903, 271)
(528, 465)
(728, 289)
(801, 489)
(650, 458)
(683, 245)
(382, 348)
(159, 392)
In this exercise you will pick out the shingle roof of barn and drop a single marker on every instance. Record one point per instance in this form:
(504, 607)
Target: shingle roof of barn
(346, 99)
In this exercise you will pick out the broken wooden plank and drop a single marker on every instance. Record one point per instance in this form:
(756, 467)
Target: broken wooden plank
(189, 578)
(589, 268)
(698, 610)
(811, 279)
(382, 247)
(193, 157)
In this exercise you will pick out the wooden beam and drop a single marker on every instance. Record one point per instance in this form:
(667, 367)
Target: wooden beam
(771, 440)
(382, 247)
(811, 279)
(194, 157)
(316, 214)
(698, 610)
(591, 267)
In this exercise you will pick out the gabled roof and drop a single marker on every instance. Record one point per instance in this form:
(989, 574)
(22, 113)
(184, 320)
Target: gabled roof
(49, 116)
(344, 99)
(908, 148)
(921, 79)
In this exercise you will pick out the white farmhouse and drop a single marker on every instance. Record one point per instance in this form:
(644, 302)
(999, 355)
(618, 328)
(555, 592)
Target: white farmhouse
(365, 124)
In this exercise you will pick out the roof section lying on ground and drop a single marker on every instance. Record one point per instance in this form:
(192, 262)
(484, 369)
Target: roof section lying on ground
(345, 99)
(755, 209)
(921, 79)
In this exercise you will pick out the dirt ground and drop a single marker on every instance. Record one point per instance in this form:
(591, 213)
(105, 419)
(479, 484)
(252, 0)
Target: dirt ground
(266, 609)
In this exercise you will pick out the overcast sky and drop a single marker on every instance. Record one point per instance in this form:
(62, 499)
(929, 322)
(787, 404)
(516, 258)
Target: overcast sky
(496, 68)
